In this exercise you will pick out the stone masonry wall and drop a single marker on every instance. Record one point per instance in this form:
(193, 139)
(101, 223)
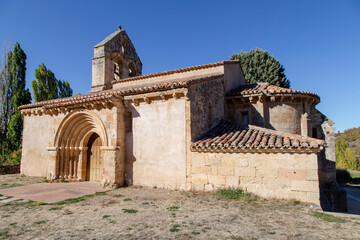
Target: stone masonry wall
(270, 175)
(206, 106)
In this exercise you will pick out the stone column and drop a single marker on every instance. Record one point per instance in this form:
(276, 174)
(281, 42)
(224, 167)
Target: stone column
(82, 164)
(114, 166)
(52, 167)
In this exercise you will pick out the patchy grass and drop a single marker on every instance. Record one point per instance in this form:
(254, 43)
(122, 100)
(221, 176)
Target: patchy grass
(237, 194)
(4, 234)
(145, 203)
(79, 199)
(118, 195)
(173, 208)
(129, 210)
(40, 222)
(175, 228)
(106, 216)
(127, 200)
(55, 208)
(6, 185)
(328, 217)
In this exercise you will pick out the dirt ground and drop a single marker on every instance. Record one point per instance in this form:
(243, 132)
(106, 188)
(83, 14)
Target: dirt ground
(149, 213)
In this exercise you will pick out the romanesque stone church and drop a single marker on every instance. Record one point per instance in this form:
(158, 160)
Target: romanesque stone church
(194, 128)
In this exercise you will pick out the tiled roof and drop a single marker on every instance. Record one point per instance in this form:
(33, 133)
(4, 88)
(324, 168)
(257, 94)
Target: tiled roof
(228, 135)
(267, 89)
(113, 94)
(187, 69)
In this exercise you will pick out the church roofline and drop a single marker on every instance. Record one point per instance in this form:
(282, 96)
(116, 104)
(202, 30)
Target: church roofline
(119, 93)
(108, 38)
(229, 136)
(264, 88)
(175, 71)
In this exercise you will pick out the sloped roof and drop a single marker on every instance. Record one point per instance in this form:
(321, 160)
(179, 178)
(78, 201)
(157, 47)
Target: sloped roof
(267, 89)
(113, 94)
(180, 70)
(229, 135)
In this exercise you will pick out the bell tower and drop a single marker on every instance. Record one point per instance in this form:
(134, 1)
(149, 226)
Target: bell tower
(115, 58)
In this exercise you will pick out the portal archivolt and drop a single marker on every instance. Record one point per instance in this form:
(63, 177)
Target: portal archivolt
(71, 142)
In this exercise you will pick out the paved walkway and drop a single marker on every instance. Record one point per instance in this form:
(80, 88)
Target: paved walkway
(50, 192)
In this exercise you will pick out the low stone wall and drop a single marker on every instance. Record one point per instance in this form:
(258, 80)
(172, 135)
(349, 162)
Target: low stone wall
(9, 169)
(269, 175)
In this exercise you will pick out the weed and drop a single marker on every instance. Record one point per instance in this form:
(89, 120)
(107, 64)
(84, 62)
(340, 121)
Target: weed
(4, 234)
(145, 203)
(40, 203)
(236, 238)
(55, 208)
(72, 200)
(13, 224)
(118, 195)
(106, 216)
(129, 229)
(100, 193)
(40, 222)
(175, 228)
(127, 200)
(112, 221)
(237, 194)
(5, 216)
(328, 217)
(129, 210)
(195, 233)
(173, 208)
(294, 202)
(271, 233)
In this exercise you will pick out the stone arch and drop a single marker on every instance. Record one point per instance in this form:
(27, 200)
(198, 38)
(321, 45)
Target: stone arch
(71, 141)
(132, 69)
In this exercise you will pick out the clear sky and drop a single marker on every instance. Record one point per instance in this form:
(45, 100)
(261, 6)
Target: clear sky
(318, 42)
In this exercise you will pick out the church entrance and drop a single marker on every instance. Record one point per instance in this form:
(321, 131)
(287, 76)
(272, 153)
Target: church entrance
(94, 159)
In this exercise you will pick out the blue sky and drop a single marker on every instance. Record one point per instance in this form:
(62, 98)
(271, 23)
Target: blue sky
(318, 42)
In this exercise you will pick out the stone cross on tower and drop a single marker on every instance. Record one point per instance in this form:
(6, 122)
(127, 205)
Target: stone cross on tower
(114, 58)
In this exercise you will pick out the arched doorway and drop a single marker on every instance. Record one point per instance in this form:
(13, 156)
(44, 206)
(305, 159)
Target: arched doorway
(94, 159)
(80, 133)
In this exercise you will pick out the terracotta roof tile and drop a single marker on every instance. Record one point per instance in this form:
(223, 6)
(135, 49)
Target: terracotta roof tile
(180, 70)
(118, 94)
(267, 89)
(229, 135)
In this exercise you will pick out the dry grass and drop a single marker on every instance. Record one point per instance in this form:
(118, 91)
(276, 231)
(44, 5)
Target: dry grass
(165, 214)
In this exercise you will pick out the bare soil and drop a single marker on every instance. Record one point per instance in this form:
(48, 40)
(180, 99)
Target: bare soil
(149, 213)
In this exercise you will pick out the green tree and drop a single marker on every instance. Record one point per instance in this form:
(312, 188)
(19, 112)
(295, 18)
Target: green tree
(345, 158)
(47, 87)
(260, 65)
(19, 95)
(13, 93)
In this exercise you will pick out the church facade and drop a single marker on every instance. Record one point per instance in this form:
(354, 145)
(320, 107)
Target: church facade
(195, 128)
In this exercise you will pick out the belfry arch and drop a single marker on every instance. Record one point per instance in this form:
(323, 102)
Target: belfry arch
(71, 143)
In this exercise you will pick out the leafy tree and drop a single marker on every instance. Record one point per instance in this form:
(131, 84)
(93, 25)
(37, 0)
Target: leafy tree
(13, 93)
(47, 87)
(260, 65)
(64, 89)
(19, 96)
(345, 158)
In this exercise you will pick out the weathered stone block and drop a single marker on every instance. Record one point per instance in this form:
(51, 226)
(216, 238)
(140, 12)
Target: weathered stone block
(198, 186)
(244, 171)
(266, 173)
(312, 175)
(226, 171)
(200, 178)
(217, 180)
(232, 181)
(292, 174)
(209, 187)
(305, 186)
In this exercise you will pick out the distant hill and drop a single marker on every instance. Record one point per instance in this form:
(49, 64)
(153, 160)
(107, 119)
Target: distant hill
(347, 146)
